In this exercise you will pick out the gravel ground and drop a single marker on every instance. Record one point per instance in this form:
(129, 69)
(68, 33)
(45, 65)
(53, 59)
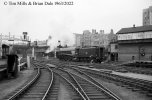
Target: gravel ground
(64, 93)
(9, 85)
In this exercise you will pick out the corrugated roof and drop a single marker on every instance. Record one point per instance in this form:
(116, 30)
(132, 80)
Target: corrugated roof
(135, 29)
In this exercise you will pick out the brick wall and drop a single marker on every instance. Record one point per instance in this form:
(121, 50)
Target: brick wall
(127, 51)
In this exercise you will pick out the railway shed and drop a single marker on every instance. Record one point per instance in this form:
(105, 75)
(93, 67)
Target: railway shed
(135, 43)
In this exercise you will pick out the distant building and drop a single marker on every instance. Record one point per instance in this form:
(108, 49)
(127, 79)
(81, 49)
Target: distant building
(39, 48)
(94, 38)
(94, 31)
(21, 41)
(147, 16)
(42, 43)
(135, 43)
(78, 40)
(86, 38)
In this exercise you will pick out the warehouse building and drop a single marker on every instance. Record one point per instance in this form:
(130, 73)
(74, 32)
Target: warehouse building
(135, 43)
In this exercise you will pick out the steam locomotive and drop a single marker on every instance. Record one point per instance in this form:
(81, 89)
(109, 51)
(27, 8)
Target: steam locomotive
(86, 54)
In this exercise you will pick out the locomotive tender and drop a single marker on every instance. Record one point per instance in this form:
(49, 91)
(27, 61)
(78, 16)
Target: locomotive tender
(95, 54)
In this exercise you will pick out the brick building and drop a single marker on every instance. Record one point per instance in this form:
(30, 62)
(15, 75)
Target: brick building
(135, 43)
(147, 16)
(86, 38)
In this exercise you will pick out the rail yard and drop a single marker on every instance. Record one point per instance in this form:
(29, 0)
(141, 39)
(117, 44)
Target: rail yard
(76, 50)
(53, 79)
(84, 75)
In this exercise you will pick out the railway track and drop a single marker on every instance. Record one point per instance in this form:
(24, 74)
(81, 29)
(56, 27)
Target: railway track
(93, 91)
(109, 66)
(88, 88)
(37, 88)
(53, 93)
(69, 78)
(134, 84)
(74, 93)
(54, 90)
(131, 83)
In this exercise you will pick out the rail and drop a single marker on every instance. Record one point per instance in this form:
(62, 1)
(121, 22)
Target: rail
(47, 91)
(26, 86)
(106, 90)
(143, 84)
(75, 88)
(78, 85)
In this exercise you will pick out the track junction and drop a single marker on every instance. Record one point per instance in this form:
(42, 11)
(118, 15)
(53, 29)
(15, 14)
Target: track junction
(55, 80)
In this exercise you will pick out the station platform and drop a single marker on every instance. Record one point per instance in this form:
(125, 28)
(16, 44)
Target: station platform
(126, 74)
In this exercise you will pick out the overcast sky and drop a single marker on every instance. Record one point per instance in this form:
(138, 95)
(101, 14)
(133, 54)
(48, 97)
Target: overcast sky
(62, 21)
